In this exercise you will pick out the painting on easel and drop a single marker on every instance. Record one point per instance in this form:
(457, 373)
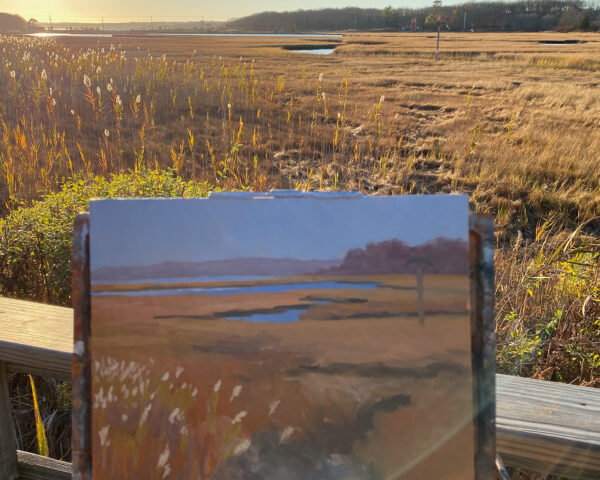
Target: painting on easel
(273, 337)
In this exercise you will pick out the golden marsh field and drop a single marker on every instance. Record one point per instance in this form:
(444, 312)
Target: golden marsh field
(511, 119)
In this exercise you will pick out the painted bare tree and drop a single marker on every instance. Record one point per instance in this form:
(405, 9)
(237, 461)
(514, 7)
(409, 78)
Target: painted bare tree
(420, 263)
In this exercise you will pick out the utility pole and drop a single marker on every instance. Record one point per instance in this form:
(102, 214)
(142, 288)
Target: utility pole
(103, 29)
(50, 18)
(151, 24)
(437, 4)
(465, 22)
(437, 47)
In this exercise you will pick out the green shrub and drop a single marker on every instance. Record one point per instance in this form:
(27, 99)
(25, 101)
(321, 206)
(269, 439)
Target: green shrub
(36, 240)
(548, 306)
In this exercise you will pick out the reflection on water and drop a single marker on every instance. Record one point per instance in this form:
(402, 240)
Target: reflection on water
(317, 51)
(276, 35)
(58, 34)
(287, 316)
(241, 289)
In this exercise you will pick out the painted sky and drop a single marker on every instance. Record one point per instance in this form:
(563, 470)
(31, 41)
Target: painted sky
(176, 10)
(146, 232)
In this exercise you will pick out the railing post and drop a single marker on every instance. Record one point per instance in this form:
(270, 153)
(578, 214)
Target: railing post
(81, 413)
(9, 467)
(483, 343)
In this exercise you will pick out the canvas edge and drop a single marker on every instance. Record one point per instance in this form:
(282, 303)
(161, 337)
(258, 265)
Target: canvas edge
(483, 343)
(81, 364)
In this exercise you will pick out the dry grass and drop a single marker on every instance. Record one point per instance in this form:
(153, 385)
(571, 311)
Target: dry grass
(503, 117)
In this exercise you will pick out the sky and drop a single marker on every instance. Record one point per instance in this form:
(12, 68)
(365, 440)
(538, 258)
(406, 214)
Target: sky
(146, 232)
(173, 10)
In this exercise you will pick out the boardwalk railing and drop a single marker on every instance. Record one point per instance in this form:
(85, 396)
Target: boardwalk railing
(541, 426)
(36, 339)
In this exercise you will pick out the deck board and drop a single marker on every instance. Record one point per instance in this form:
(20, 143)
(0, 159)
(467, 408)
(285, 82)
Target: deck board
(542, 426)
(548, 427)
(36, 338)
(36, 467)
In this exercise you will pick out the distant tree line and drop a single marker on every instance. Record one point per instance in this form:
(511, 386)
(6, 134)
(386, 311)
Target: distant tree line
(523, 15)
(15, 23)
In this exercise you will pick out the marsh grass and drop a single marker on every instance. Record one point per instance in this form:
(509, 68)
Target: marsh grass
(548, 307)
(518, 147)
(502, 117)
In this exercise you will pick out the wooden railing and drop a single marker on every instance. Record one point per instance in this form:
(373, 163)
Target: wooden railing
(36, 339)
(540, 426)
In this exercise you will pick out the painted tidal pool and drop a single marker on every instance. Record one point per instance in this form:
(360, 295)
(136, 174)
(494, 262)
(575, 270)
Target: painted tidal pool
(286, 316)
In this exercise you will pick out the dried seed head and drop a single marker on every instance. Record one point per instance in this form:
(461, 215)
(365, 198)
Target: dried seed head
(86, 81)
(235, 392)
(138, 99)
(238, 418)
(44, 74)
(106, 133)
(164, 456)
(242, 447)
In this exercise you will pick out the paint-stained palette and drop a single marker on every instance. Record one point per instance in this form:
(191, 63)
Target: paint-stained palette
(281, 337)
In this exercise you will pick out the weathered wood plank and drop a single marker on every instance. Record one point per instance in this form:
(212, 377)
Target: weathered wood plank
(37, 361)
(36, 338)
(548, 427)
(36, 325)
(8, 446)
(483, 343)
(36, 467)
(81, 392)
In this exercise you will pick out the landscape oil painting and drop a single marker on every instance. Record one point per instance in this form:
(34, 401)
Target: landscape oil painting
(281, 336)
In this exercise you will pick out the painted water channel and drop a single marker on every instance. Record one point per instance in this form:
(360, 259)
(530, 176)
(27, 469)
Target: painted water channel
(238, 289)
